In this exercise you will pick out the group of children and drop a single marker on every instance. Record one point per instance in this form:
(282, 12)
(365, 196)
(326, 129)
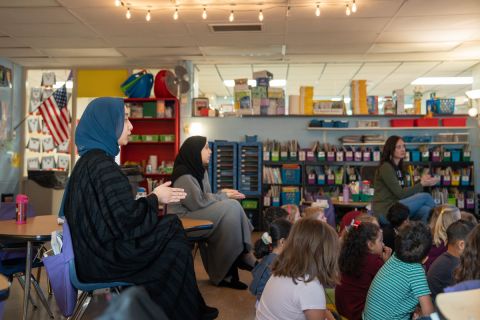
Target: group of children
(302, 255)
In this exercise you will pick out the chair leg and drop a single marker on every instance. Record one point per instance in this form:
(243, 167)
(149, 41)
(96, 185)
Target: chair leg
(21, 280)
(41, 296)
(82, 304)
(49, 287)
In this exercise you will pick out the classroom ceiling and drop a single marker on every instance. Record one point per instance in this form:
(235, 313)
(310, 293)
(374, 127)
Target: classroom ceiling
(387, 42)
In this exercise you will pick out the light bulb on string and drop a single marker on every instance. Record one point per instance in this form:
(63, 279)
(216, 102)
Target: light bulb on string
(231, 17)
(148, 17)
(260, 15)
(288, 11)
(118, 3)
(128, 15)
(317, 11)
(354, 6)
(347, 11)
(204, 14)
(175, 14)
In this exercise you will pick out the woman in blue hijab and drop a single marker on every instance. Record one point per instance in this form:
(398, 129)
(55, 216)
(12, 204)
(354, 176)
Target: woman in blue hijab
(117, 238)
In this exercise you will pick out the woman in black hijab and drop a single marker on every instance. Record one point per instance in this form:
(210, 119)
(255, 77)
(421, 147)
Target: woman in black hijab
(229, 243)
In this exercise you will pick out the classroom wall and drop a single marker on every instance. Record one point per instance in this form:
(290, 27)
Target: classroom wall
(10, 176)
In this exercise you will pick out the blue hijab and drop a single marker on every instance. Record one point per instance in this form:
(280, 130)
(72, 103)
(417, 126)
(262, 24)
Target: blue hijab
(100, 126)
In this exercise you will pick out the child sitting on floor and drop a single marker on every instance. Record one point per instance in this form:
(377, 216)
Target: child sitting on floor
(316, 213)
(401, 284)
(361, 256)
(271, 214)
(469, 268)
(293, 212)
(308, 263)
(267, 248)
(442, 217)
(440, 274)
(397, 216)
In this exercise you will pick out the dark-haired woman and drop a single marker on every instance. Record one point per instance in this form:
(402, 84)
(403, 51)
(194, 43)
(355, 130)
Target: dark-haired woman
(390, 185)
(229, 243)
(362, 255)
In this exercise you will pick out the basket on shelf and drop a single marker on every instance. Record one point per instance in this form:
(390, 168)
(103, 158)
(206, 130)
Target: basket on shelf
(441, 106)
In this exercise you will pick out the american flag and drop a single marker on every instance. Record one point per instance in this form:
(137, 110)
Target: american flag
(55, 115)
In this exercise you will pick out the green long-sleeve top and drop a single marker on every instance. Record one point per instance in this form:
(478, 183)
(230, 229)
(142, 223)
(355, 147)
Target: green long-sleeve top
(388, 190)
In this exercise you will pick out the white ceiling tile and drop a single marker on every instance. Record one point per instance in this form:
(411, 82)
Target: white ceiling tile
(344, 48)
(35, 15)
(445, 22)
(338, 25)
(63, 42)
(27, 3)
(412, 47)
(91, 52)
(428, 36)
(20, 52)
(260, 51)
(6, 42)
(451, 68)
(439, 7)
(166, 51)
(47, 30)
(228, 72)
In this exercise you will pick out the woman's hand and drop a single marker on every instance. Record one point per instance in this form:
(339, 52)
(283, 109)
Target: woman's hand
(233, 194)
(428, 180)
(165, 194)
(386, 254)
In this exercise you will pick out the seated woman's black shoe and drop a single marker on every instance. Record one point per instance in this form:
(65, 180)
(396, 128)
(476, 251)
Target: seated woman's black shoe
(234, 284)
(244, 266)
(209, 313)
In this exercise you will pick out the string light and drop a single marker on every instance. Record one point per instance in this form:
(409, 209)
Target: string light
(350, 7)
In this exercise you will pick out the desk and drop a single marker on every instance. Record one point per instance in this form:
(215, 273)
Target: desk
(191, 225)
(37, 229)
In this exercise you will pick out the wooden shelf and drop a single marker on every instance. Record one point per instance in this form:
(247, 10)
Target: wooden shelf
(406, 143)
(149, 142)
(149, 119)
(387, 128)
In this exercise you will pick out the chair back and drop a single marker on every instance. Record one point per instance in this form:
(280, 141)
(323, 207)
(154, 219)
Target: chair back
(58, 270)
(8, 210)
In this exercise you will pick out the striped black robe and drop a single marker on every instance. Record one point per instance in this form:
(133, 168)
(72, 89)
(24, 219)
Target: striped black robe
(117, 238)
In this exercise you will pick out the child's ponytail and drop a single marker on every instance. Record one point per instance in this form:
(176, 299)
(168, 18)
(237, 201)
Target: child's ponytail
(279, 229)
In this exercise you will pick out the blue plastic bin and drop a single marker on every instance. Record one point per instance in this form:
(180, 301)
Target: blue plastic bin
(456, 154)
(291, 176)
(290, 198)
(415, 156)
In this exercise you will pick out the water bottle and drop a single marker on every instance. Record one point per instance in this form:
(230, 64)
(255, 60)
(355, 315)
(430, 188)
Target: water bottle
(141, 192)
(21, 208)
(346, 193)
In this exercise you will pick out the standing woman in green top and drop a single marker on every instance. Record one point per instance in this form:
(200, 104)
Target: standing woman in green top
(390, 185)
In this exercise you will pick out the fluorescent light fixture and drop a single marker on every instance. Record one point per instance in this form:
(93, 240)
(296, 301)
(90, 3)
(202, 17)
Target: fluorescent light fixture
(442, 80)
(337, 99)
(473, 94)
(253, 83)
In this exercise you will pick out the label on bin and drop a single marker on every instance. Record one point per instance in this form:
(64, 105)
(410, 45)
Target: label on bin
(425, 154)
(460, 204)
(266, 201)
(284, 154)
(340, 156)
(321, 154)
(266, 156)
(301, 156)
(293, 154)
(466, 179)
(447, 154)
(455, 180)
(353, 177)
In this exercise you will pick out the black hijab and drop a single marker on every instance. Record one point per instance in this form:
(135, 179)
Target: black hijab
(189, 159)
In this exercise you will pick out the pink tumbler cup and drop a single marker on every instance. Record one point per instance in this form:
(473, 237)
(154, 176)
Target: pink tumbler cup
(22, 202)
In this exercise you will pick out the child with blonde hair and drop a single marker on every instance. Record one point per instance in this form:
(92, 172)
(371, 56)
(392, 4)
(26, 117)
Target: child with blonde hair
(293, 212)
(442, 217)
(307, 264)
(315, 213)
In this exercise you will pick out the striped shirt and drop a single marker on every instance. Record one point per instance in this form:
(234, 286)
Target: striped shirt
(395, 290)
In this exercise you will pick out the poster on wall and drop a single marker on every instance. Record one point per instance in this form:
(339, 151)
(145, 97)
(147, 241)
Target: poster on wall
(5, 77)
(5, 121)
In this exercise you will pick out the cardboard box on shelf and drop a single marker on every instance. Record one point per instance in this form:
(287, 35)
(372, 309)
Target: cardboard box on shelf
(358, 96)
